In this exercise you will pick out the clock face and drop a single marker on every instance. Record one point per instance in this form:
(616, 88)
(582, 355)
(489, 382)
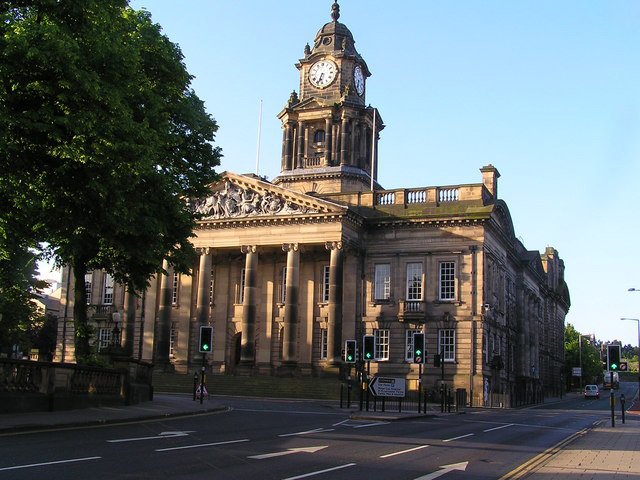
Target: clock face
(322, 73)
(358, 79)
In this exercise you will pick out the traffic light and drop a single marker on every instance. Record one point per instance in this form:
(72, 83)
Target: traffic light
(350, 351)
(436, 360)
(368, 344)
(613, 357)
(206, 339)
(418, 348)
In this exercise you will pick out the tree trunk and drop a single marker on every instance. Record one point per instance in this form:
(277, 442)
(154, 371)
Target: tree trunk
(82, 328)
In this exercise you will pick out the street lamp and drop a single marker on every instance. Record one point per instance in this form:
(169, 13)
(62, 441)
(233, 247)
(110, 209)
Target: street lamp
(638, 322)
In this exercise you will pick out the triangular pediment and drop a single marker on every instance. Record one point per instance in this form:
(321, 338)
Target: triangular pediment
(242, 196)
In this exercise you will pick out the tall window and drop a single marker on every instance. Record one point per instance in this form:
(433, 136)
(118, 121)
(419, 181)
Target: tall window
(323, 343)
(107, 290)
(382, 275)
(325, 283)
(414, 281)
(211, 289)
(447, 288)
(283, 285)
(318, 136)
(409, 344)
(447, 344)
(381, 344)
(174, 288)
(241, 292)
(87, 286)
(104, 338)
(173, 339)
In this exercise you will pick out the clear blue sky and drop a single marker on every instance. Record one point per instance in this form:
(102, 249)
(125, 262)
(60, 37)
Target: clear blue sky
(547, 91)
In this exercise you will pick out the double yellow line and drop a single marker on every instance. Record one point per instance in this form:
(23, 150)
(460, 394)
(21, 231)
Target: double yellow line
(541, 458)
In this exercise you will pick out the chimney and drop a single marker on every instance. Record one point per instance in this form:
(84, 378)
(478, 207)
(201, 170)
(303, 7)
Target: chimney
(490, 177)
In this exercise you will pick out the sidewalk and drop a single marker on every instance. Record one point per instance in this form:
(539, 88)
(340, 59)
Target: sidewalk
(162, 406)
(600, 453)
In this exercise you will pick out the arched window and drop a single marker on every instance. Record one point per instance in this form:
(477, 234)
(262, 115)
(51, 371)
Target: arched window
(318, 137)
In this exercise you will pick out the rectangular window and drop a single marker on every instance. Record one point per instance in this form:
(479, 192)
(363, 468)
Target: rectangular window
(414, 281)
(87, 286)
(283, 285)
(174, 289)
(104, 338)
(211, 289)
(382, 290)
(173, 339)
(447, 281)
(409, 344)
(447, 344)
(381, 344)
(107, 290)
(241, 292)
(325, 283)
(323, 343)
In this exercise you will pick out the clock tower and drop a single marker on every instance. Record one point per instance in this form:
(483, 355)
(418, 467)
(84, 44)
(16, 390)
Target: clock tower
(330, 136)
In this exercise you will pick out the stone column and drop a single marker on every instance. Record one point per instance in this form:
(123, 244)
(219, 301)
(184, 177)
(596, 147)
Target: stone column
(290, 339)
(163, 322)
(353, 155)
(247, 347)
(328, 145)
(334, 321)
(300, 153)
(288, 145)
(203, 302)
(344, 142)
(129, 327)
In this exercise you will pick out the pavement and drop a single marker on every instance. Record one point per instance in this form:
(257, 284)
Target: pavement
(601, 452)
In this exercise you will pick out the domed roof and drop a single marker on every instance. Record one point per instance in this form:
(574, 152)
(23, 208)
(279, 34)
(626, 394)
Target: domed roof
(334, 35)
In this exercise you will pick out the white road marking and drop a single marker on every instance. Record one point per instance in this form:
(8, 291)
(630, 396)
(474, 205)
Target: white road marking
(340, 423)
(371, 424)
(443, 470)
(201, 445)
(498, 428)
(162, 435)
(311, 474)
(458, 438)
(71, 460)
(307, 432)
(289, 451)
(403, 451)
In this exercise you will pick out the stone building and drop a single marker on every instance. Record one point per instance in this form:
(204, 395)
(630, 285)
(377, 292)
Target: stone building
(288, 270)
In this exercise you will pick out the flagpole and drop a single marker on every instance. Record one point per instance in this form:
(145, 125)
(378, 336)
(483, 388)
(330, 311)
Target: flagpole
(258, 147)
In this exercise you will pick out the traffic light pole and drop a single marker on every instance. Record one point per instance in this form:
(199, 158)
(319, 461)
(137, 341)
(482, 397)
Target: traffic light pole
(420, 387)
(204, 362)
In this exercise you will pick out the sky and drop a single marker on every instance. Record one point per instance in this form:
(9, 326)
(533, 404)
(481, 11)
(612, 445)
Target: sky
(546, 91)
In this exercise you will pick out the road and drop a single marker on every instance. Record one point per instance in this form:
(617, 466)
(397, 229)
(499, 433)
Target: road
(295, 439)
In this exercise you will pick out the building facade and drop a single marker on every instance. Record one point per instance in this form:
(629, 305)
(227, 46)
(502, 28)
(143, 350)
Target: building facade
(290, 269)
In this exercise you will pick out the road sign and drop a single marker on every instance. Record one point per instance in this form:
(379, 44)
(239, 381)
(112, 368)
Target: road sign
(624, 366)
(576, 371)
(388, 386)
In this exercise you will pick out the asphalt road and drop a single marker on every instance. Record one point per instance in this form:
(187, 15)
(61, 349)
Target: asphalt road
(259, 439)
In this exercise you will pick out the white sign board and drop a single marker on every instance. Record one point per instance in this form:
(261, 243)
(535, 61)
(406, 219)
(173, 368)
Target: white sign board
(388, 386)
(576, 371)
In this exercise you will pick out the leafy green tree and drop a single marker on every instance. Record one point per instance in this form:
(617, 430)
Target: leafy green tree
(591, 363)
(103, 139)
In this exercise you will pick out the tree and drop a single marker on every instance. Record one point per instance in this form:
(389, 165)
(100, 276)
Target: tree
(591, 363)
(103, 140)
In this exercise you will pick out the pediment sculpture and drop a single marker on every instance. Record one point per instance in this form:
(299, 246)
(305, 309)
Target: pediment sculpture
(235, 202)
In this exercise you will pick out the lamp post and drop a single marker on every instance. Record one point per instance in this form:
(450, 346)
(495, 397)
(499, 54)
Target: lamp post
(638, 322)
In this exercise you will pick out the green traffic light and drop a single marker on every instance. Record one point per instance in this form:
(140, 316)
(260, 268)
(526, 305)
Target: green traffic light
(205, 347)
(418, 352)
(614, 366)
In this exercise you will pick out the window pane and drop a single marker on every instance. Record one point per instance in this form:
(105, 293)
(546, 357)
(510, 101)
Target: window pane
(382, 289)
(381, 348)
(409, 344)
(107, 291)
(414, 281)
(325, 283)
(323, 343)
(241, 292)
(173, 339)
(87, 287)
(447, 280)
(174, 289)
(446, 344)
